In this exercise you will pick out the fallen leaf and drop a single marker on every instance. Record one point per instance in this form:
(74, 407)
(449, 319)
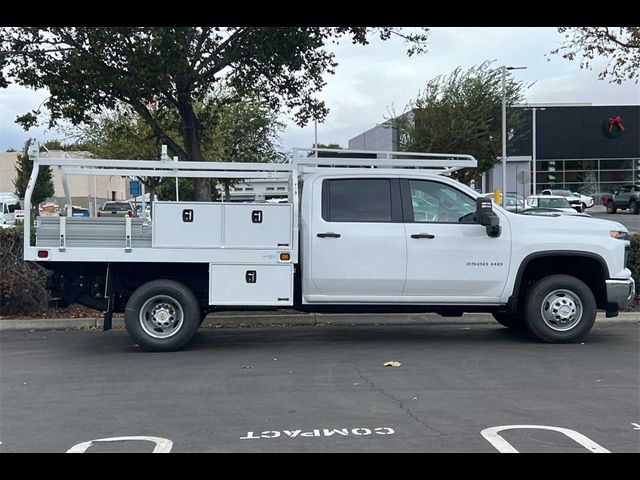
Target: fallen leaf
(392, 363)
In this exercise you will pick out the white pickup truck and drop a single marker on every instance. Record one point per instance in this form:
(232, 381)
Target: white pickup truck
(393, 233)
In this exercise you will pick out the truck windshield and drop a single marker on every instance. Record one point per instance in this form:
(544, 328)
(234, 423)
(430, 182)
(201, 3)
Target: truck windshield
(563, 193)
(554, 203)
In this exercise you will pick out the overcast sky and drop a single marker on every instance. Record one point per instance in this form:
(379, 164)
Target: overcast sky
(372, 81)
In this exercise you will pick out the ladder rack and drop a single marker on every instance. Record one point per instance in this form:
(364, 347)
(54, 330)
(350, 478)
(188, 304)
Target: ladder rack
(303, 160)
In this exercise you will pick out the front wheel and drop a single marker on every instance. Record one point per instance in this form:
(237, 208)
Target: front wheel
(634, 207)
(162, 316)
(611, 207)
(560, 309)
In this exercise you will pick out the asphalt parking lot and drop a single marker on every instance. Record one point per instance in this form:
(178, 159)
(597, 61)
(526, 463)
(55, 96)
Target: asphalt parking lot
(632, 222)
(322, 389)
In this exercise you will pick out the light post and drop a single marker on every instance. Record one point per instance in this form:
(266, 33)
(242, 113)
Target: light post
(315, 137)
(534, 108)
(504, 129)
(533, 147)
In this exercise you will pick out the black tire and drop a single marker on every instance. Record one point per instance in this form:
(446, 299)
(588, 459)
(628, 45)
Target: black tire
(170, 299)
(515, 322)
(634, 207)
(554, 297)
(611, 207)
(584, 206)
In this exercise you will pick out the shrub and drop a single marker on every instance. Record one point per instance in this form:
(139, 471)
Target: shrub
(22, 284)
(633, 263)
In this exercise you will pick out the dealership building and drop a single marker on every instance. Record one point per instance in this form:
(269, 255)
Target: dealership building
(591, 149)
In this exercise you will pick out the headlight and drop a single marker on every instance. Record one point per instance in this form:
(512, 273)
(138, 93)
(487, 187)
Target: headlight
(619, 235)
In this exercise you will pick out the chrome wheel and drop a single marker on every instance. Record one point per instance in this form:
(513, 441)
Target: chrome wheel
(161, 316)
(561, 310)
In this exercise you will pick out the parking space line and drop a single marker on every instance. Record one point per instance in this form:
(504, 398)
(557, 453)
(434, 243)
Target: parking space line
(162, 445)
(492, 436)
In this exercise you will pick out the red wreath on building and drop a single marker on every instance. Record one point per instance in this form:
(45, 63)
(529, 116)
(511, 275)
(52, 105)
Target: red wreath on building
(613, 127)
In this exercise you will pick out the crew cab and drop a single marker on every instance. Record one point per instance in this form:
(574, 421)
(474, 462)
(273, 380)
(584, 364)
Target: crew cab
(627, 197)
(393, 233)
(574, 200)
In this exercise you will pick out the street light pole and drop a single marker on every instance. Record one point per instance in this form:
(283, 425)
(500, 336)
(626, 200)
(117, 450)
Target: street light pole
(504, 129)
(533, 151)
(504, 135)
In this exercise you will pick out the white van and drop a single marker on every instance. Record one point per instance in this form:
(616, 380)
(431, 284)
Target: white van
(9, 203)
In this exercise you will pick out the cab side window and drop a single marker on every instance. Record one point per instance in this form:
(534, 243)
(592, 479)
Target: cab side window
(361, 200)
(435, 202)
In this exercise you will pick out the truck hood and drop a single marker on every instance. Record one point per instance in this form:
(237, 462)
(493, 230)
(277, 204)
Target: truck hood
(569, 224)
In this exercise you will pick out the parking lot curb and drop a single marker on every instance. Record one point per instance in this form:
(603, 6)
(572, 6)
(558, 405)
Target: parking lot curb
(251, 319)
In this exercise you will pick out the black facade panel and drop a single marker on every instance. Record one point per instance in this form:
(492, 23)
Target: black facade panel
(577, 133)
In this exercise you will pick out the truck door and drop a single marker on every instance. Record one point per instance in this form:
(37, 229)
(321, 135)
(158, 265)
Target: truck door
(449, 256)
(357, 239)
(623, 197)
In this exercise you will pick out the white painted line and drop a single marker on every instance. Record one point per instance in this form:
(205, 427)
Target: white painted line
(162, 445)
(492, 436)
(636, 426)
(320, 432)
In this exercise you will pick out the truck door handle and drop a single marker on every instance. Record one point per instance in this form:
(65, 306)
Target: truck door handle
(422, 235)
(328, 235)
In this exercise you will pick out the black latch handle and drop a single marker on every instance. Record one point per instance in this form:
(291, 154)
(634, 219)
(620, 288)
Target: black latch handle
(328, 235)
(422, 235)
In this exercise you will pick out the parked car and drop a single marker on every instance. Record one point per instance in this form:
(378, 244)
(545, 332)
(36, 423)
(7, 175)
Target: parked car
(574, 200)
(587, 201)
(6, 218)
(143, 213)
(626, 198)
(512, 202)
(79, 211)
(120, 209)
(555, 202)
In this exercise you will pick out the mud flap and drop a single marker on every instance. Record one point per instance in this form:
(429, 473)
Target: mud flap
(109, 296)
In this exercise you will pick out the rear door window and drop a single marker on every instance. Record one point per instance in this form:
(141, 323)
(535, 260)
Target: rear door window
(361, 200)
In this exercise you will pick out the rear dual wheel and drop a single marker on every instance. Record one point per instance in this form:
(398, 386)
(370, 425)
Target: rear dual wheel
(162, 316)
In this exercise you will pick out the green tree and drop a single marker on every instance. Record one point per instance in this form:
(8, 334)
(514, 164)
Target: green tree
(621, 46)
(334, 146)
(462, 113)
(43, 188)
(235, 131)
(88, 69)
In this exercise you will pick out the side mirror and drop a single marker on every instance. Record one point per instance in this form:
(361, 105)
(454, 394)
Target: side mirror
(486, 216)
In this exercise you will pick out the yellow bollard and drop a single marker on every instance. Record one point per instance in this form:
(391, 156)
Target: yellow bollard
(496, 196)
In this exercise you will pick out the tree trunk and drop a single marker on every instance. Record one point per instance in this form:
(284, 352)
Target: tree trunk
(192, 147)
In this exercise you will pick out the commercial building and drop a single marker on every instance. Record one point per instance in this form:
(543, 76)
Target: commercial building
(87, 191)
(591, 149)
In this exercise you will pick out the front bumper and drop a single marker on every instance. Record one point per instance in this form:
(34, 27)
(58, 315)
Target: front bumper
(620, 294)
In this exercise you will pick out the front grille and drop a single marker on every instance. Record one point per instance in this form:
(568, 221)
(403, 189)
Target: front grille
(626, 256)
